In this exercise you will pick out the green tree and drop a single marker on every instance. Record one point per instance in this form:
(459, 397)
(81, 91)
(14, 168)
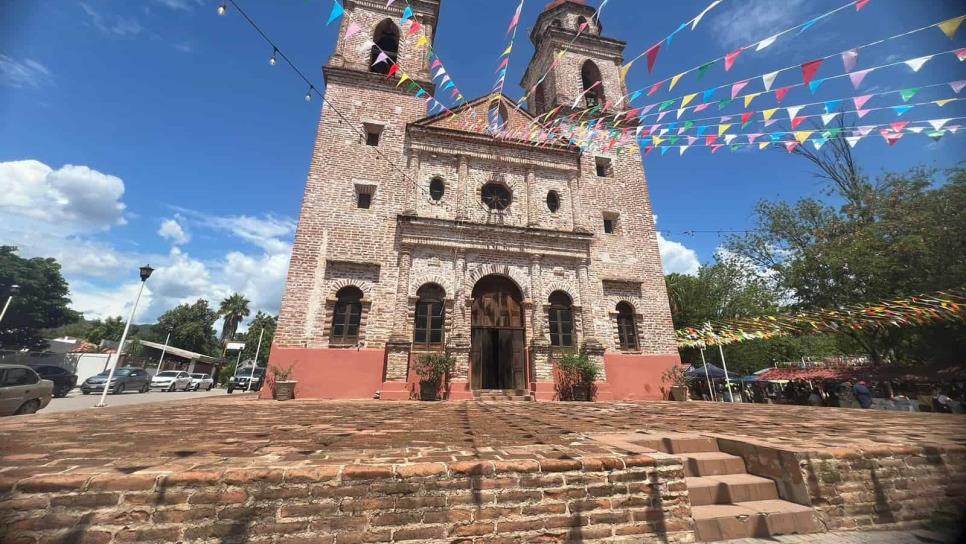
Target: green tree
(192, 327)
(726, 289)
(233, 309)
(108, 329)
(261, 321)
(40, 304)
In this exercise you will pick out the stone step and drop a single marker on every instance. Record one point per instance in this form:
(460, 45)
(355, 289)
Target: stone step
(502, 394)
(676, 443)
(504, 398)
(730, 488)
(753, 519)
(711, 463)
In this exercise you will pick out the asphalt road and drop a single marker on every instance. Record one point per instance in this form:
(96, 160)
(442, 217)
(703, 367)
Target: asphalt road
(75, 401)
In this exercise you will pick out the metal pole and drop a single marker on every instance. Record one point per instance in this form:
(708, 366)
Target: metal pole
(5, 306)
(727, 379)
(120, 348)
(258, 348)
(706, 375)
(163, 351)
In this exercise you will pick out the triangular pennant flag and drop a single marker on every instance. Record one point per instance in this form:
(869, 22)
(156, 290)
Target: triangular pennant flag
(832, 105)
(352, 30)
(710, 139)
(957, 86)
(952, 128)
(857, 77)
(729, 138)
(665, 105)
(938, 123)
(402, 78)
(853, 140)
(670, 37)
(664, 150)
(337, 11)
(813, 86)
(917, 63)
(768, 79)
(849, 58)
(655, 88)
(696, 20)
(763, 145)
(818, 143)
(861, 4)
(730, 58)
(936, 135)
(960, 54)
(381, 58)
(907, 94)
(392, 71)
(899, 125)
(916, 130)
(680, 112)
(768, 113)
(943, 102)
(701, 130)
(724, 104)
(810, 68)
(407, 15)
(798, 120)
(661, 115)
(860, 101)
(864, 130)
(950, 26)
(624, 70)
(753, 137)
(781, 93)
(750, 97)
(708, 94)
(723, 128)
(725, 118)
(737, 87)
(704, 68)
(746, 117)
(766, 42)
(832, 132)
(651, 55)
(809, 24)
(793, 111)
(674, 81)
(414, 28)
(827, 118)
(900, 110)
(715, 148)
(687, 99)
(423, 41)
(516, 18)
(891, 137)
(790, 146)
(701, 107)
(683, 149)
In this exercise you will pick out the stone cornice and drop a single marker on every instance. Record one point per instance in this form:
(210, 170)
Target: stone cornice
(419, 231)
(369, 80)
(427, 9)
(422, 136)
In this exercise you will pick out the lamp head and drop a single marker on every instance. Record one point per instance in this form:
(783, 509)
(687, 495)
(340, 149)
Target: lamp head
(14, 289)
(146, 272)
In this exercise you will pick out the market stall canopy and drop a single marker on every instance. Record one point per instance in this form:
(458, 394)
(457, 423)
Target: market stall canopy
(716, 373)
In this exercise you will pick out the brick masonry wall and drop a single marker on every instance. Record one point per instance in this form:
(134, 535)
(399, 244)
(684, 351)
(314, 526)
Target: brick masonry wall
(617, 499)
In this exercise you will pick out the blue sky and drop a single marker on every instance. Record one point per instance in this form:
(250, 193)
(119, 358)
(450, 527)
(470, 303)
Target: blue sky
(156, 131)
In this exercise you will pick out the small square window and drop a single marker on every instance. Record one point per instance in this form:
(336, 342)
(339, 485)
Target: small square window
(363, 200)
(609, 226)
(372, 138)
(373, 133)
(604, 167)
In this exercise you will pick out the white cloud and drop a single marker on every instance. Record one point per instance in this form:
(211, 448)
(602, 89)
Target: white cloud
(112, 25)
(172, 230)
(25, 73)
(676, 257)
(748, 22)
(183, 5)
(270, 233)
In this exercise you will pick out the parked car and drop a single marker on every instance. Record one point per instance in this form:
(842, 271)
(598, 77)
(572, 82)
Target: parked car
(201, 381)
(242, 375)
(64, 380)
(171, 380)
(22, 391)
(124, 379)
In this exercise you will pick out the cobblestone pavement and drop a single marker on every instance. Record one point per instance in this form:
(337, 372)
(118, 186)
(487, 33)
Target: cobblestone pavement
(870, 537)
(219, 433)
(75, 400)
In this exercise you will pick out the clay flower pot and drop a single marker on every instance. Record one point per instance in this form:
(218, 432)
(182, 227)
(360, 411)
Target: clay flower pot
(285, 390)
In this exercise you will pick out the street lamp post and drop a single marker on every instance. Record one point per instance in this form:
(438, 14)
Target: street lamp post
(14, 289)
(145, 274)
(163, 351)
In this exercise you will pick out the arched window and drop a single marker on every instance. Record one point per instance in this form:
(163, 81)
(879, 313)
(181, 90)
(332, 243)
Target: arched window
(626, 327)
(593, 85)
(553, 201)
(561, 320)
(345, 319)
(428, 329)
(496, 196)
(436, 188)
(386, 39)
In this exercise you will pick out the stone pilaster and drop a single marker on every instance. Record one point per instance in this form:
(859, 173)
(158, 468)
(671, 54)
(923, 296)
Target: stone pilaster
(530, 212)
(399, 346)
(462, 187)
(415, 163)
(586, 302)
(580, 222)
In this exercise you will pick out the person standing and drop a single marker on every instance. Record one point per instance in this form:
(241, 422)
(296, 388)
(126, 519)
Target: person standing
(862, 394)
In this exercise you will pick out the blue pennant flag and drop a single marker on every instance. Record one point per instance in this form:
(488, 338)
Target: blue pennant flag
(679, 29)
(701, 129)
(664, 149)
(407, 15)
(832, 105)
(901, 110)
(808, 25)
(672, 126)
(709, 93)
(635, 96)
(337, 11)
(815, 84)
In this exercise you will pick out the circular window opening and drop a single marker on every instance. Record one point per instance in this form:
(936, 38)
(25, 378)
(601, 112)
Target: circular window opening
(436, 189)
(553, 201)
(496, 196)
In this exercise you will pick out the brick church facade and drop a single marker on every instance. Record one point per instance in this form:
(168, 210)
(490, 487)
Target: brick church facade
(501, 253)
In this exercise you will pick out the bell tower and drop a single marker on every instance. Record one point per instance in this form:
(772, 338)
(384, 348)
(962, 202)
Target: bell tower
(578, 75)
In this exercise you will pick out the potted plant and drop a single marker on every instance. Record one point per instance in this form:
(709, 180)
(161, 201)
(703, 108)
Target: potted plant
(433, 370)
(283, 388)
(576, 377)
(676, 380)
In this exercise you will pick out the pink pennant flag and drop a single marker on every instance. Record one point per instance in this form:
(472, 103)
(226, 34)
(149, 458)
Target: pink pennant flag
(414, 28)
(891, 137)
(514, 21)
(790, 146)
(701, 107)
(961, 54)
(810, 68)
(710, 139)
(436, 64)
(746, 116)
(381, 58)
(899, 125)
(655, 88)
(957, 86)
(730, 58)
(798, 120)
(651, 55)
(352, 30)
(736, 88)
(857, 77)
(770, 122)
(864, 130)
(861, 113)
(849, 58)
(861, 4)
(503, 64)
(648, 108)
(860, 101)
(952, 128)
(753, 137)
(715, 148)
(661, 115)
(781, 93)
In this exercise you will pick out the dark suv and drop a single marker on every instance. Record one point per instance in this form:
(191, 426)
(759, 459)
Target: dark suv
(64, 380)
(240, 379)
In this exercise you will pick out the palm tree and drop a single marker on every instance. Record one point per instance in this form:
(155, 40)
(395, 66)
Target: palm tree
(233, 309)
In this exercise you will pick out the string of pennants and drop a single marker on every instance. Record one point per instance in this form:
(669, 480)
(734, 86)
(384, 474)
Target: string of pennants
(497, 91)
(941, 306)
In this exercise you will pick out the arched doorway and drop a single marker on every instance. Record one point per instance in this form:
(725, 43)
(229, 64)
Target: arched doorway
(498, 335)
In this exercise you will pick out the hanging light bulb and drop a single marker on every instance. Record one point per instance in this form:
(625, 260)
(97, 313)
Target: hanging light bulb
(272, 61)
(222, 8)
(308, 94)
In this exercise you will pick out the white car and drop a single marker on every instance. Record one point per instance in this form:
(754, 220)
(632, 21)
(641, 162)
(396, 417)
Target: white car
(171, 380)
(201, 381)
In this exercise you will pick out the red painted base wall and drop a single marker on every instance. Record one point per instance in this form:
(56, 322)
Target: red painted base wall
(330, 373)
(635, 377)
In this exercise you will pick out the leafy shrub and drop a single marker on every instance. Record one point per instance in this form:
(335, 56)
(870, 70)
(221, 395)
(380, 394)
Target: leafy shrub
(434, 367)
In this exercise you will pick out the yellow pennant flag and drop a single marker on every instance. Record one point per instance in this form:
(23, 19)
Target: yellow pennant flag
(943, 102)
(402, 79)
(768, 113)
(687, 99)
(803, 135)
(625, 69)
(950, 26)
(749, 98)
(657, 141)
(762, 145)
(723, 128)
(674, 81)
(508, 49)
(423, 40)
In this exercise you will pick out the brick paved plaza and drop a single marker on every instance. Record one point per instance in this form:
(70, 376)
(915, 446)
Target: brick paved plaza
(237, 468)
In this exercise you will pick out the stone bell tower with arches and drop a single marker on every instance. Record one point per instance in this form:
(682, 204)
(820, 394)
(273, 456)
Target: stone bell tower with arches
(424, 234)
